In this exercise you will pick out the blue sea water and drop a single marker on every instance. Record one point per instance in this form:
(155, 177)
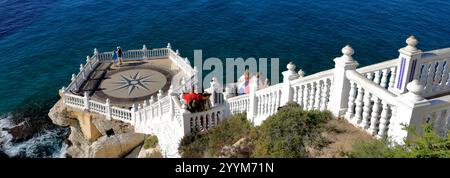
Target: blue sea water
(43, 42)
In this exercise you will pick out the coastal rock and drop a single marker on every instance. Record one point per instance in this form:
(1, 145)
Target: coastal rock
(61, 116)
(104, 125)
(21, 132)
(115, 139)
(79, 144)
(115, 146)
(240, 149)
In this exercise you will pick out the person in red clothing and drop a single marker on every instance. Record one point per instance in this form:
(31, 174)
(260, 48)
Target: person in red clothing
(196, 102)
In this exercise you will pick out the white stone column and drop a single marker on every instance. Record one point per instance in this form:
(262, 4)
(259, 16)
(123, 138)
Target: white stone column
(341, 87)
(186, 119)
(86, 101)
(287, 91)
(253, 105)
(144, 52)
(406, 65)
(108, 109)
(160, 96)
(410, 110)
(213, 87)
(171, 93)
(133, 114)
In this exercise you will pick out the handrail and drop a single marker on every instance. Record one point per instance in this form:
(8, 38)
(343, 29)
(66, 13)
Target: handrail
(372, 87)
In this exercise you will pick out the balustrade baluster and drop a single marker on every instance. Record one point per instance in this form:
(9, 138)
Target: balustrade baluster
(305, 97)
(294, 98)
(445, 76)
(351, 101)
(430, 76)
(366, 110)
(300, 95)
(374, 120)
(325, 94)
(377, 77)
(311, 96)
(358, 106)
(318, 93)
(392, 78)
(438, 77)
(383, 82)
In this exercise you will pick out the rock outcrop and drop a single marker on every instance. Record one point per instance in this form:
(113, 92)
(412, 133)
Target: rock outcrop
(115, 146)
(114, 139)
(240, 149)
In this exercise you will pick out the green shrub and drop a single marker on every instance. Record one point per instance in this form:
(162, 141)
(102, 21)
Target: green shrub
(427, 145)
(228, 132)
(287, 133)
(151, 142)
(193, 146)
(211, 142)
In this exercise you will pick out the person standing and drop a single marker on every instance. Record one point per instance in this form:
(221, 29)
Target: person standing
(119, 55)
(114, 57)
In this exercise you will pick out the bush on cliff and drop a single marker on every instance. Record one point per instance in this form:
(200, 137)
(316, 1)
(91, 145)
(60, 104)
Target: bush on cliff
(210, 143)
(151, 142)
(427, 145)
(288, 133)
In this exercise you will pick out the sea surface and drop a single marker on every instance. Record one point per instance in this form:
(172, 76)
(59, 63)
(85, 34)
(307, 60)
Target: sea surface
(42, 42)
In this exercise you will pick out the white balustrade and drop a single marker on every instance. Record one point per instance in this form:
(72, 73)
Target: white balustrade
(367, 110)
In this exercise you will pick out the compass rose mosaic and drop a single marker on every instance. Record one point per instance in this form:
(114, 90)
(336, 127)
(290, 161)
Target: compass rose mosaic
(134, 83)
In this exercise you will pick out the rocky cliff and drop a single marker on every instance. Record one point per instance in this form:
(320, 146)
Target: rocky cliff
(101, 139)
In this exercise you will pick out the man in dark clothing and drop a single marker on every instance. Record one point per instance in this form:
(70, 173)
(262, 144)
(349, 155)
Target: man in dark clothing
(119, 55)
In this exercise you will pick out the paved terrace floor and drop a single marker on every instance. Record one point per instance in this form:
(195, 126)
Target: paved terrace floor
(131, 82)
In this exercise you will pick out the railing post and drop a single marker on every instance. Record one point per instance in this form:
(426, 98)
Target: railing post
(83, 75)
(287, 93)
(86, 101)
(144, 52)
(253, 105)
(185, 117)
(410, 111)
(73, 79)
(215, 88)
(171, 103)
(227, 94)
(406, 65)
(160, 96)
(133, 114)
(95, 52)
(108, 109)
(88, 63)
(341, 85)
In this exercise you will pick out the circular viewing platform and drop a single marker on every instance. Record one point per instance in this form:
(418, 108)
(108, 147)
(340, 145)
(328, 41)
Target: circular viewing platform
(131, 82)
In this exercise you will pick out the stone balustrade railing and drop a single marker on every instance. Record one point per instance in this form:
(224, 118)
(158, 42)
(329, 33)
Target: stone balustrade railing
(313, 91)
(432, 70)
(239, 104)
(105, 109)
(85, 71)
(379, 98)
(132, 55)
(205, 120)
(370, 106)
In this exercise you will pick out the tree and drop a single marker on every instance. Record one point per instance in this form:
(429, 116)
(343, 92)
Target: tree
(288, 133)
